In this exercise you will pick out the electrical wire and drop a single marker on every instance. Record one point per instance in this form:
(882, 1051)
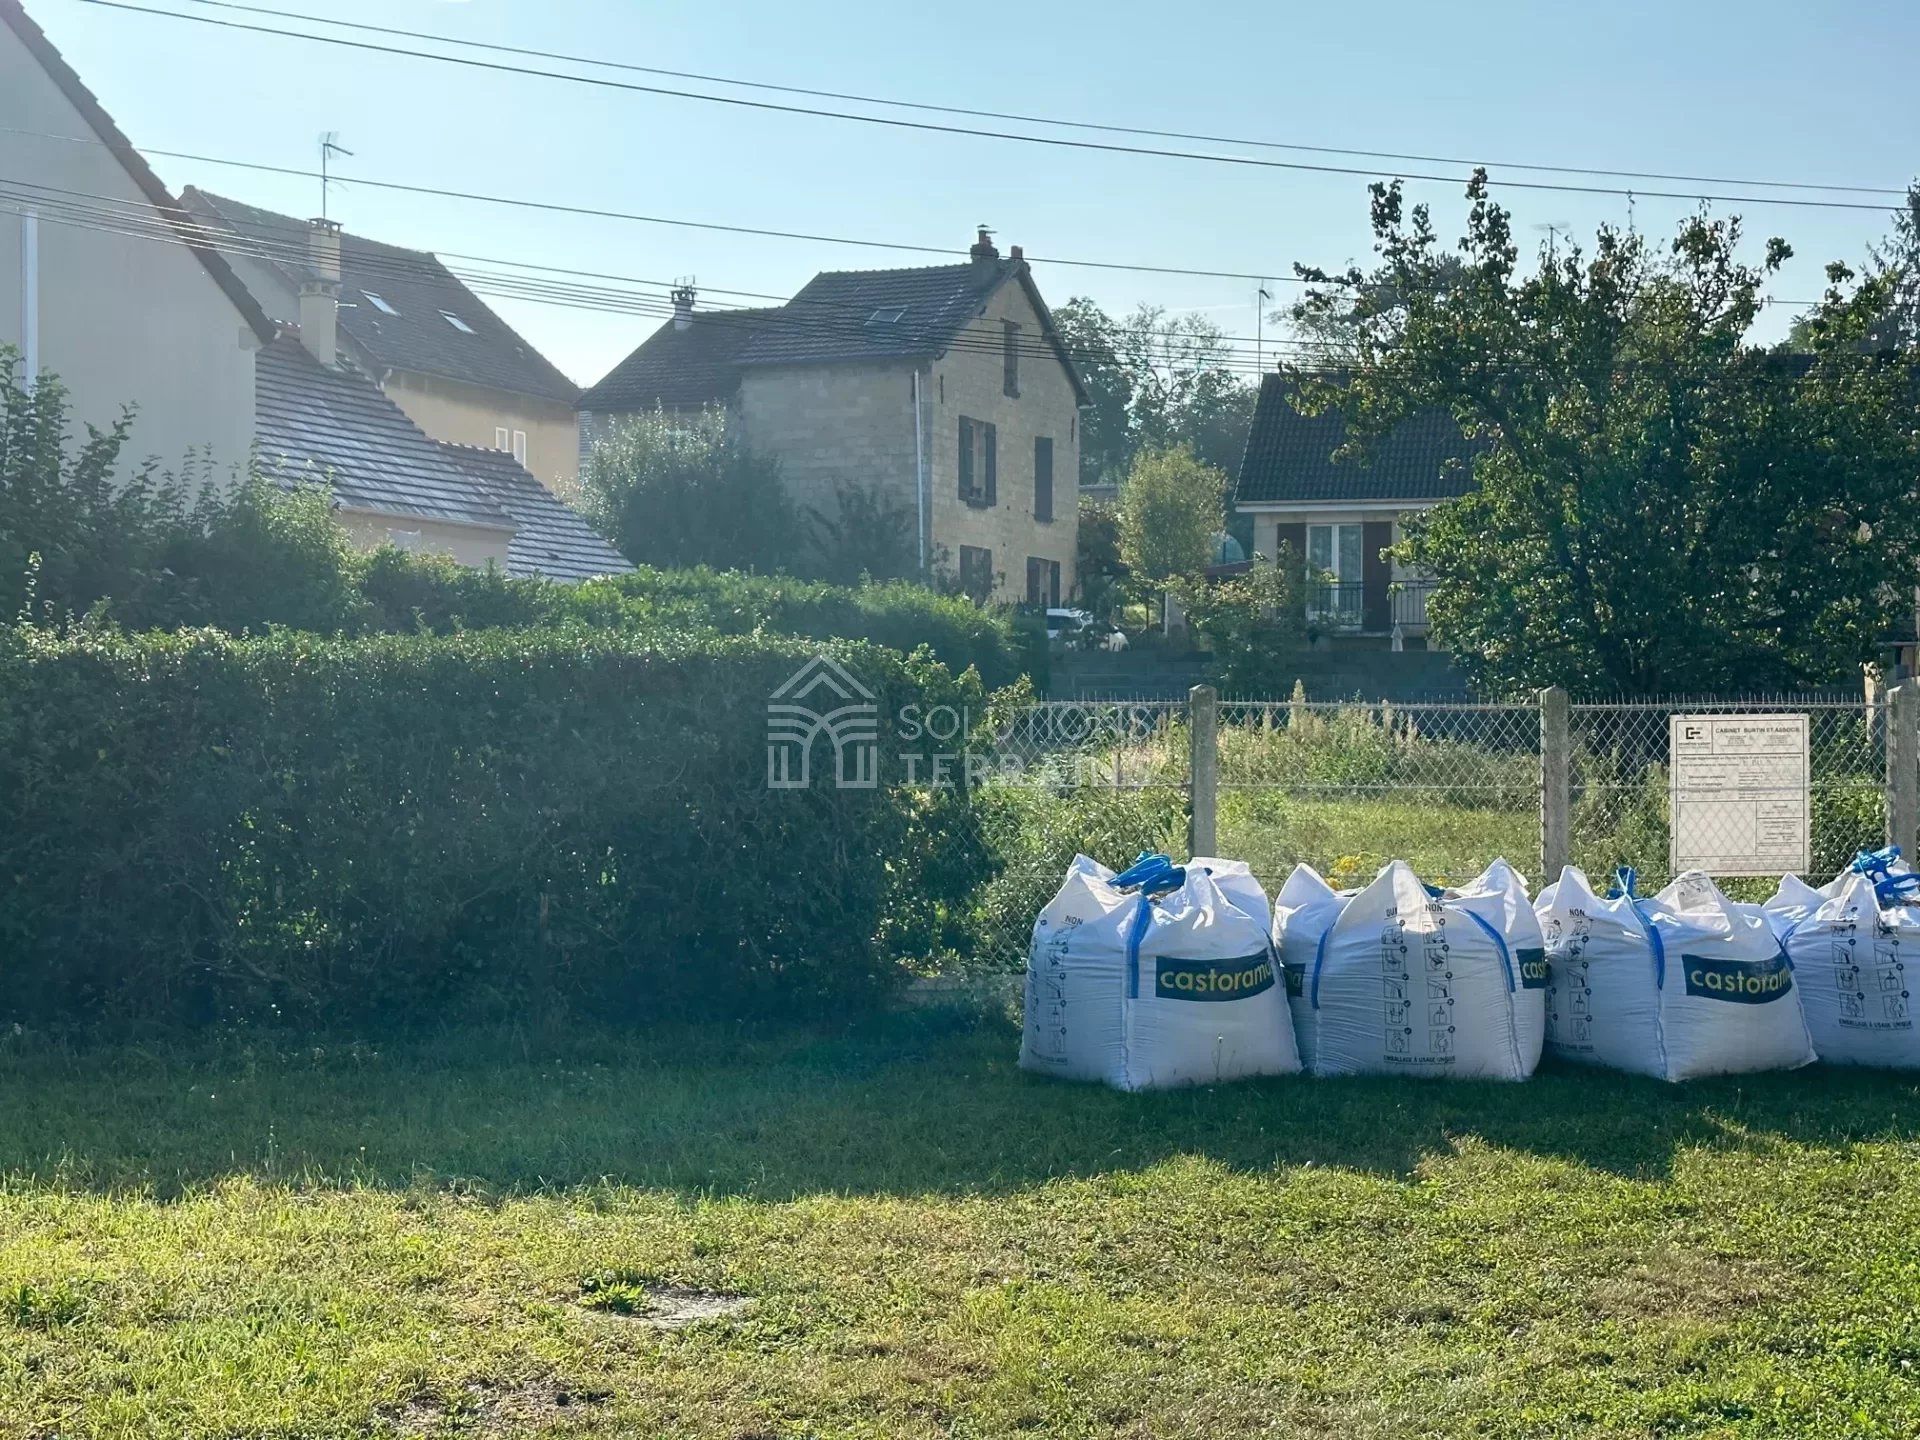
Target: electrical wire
(895, 122)
(1112, 129)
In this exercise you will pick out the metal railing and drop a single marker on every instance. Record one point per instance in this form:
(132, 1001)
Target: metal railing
(1341, 606)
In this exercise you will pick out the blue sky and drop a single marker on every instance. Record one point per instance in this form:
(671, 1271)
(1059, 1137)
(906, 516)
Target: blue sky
(1762, 89)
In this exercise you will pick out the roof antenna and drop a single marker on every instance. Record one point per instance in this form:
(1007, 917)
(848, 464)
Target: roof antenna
(329, 147)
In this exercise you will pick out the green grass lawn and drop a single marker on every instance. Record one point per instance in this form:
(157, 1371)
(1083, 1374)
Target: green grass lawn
(1349, 837)
(481, 1234)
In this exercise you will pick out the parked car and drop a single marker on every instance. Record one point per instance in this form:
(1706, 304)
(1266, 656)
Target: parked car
(1070, 629)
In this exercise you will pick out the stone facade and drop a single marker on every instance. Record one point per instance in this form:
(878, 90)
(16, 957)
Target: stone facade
(855, 422)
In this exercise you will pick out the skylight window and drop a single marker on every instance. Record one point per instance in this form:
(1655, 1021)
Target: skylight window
(379, 302)
(454, 320)
(887, 315)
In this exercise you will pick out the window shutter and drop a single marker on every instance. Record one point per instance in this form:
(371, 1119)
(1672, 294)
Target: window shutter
(1376, 573)
(966, 458)
(993, 488)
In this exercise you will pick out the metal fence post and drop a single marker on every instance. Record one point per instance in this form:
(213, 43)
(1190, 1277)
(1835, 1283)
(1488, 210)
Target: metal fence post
(1556, 785)
(1903, 766)
(1203, 724)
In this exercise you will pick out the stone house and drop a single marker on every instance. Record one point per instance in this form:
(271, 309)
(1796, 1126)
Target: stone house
(1340, 515)
(944, 391)
(459, 371)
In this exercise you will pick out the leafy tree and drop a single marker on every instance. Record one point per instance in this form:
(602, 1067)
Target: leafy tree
(1170, 510)
(1253, 623)
(680, 490)
(1894, 267)
(866, 535)
(1157, 381)
(1661, 506)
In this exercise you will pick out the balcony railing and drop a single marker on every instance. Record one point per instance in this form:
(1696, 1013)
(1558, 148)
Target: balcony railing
(1341, 606)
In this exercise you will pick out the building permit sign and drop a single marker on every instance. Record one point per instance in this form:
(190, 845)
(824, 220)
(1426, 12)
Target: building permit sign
(1739, 790)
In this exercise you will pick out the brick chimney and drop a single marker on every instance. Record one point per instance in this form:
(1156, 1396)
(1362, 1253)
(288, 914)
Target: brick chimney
(683, 297)
(320, 295)
(983, 254)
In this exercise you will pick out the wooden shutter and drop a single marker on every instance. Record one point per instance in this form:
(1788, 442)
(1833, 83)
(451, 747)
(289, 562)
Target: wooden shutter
(1053, 583)
(1376, 574)
(993, 488)
(966, 459)
(1043, 477)
(1296, 537)
(1034, 595)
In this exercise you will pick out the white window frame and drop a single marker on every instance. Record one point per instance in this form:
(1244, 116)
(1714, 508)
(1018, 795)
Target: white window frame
(457, 323)
(520, 447)
(1344, 602)
(502, 438)
(380, 303)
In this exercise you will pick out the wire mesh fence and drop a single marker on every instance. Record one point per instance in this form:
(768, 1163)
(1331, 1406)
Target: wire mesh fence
(1824, 792)
(1345, 787)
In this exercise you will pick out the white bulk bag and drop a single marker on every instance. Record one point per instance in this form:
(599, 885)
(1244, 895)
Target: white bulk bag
(1413, 981)
(1685, 983)
(1850, 942)
(1303, 912)
(1154, 978)
(1498, 897)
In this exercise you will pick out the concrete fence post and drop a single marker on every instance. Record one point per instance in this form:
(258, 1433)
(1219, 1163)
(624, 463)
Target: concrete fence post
(1203, 724)
(1903, 766)
(1556, 784)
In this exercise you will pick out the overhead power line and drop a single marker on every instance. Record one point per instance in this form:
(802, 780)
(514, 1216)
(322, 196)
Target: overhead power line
(895, 122)
(1054, 120)
(121, 217)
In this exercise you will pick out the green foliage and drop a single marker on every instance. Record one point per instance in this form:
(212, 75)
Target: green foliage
(404, 827)
(673, 489)
(1157, 382)
(1254, 624)
(1661, 507)
(864, 536)
(1170, 510)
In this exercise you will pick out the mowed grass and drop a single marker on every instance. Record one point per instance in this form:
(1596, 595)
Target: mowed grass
(1349, 837)
(477, 1234)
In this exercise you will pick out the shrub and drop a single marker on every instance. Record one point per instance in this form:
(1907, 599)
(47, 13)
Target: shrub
(1253, 624)
(203, 828)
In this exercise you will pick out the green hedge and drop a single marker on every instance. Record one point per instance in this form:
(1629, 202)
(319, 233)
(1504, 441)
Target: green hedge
(201, 828)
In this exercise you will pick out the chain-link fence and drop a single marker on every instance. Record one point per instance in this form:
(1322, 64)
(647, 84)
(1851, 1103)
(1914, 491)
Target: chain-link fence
(1447, 787)
(1347, 787)
(1818, 785)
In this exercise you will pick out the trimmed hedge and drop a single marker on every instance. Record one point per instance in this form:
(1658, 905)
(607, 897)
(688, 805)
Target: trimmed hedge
(201, 828)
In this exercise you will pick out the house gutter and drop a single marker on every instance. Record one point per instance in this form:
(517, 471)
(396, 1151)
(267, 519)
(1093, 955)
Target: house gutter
(920, 472)
(30, 295)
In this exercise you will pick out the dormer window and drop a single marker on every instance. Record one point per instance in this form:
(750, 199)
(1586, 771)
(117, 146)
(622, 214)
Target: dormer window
(887, 315)
(379, 302)
(454, 320)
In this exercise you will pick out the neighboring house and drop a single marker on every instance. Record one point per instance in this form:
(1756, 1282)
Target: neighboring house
(1340, 515)
(441, 355)
(944, 390)
(102, 279)
(320, 420)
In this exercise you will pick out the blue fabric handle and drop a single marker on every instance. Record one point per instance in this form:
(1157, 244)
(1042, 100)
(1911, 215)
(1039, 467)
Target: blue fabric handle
(1888, 889)
(1624, 881)
(1151, 874)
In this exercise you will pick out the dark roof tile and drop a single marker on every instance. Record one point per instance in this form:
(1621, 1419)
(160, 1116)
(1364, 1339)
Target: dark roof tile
(680, 369)
(418, 338)
(550, 538)
(1289, 456)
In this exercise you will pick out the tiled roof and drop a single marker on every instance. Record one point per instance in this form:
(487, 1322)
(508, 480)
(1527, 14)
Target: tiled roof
(1289, 456)
(315, 424)
(82, 99)
(550, 538)
(680, 369)
(422, 291)
(839, 316)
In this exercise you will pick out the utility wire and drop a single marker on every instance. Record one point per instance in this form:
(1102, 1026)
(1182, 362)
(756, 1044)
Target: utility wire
(1055, 120)
(893, 122)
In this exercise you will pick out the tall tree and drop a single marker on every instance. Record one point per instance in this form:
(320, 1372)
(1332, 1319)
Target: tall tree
(1158, 380)
(1170, 510)
(1893, 265)
(1662, 505)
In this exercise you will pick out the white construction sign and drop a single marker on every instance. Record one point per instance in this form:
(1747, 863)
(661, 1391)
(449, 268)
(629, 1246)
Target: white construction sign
(1739, 787)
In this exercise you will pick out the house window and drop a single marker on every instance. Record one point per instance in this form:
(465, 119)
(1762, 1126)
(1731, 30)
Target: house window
(1010, 357)
(520, 446)
(1043, 582)
(979, 461)
(887, 315)
(502, 438)
(1043, 477)
(1334, 572)
(976, 572)
(379, 303)
(454, 320)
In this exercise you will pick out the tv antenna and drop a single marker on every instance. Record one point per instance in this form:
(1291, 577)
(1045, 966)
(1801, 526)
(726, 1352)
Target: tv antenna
(329, 147)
